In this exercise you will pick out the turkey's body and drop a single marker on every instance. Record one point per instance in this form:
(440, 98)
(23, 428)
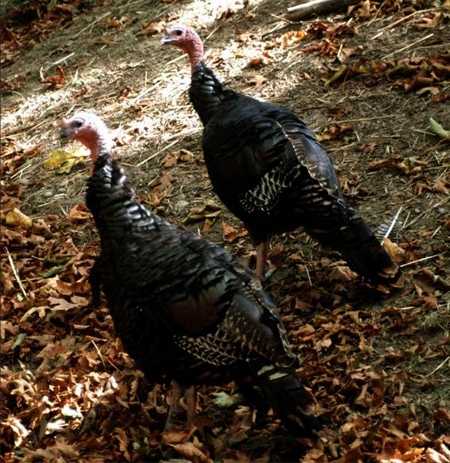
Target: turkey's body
(184, 309)
(269, 170)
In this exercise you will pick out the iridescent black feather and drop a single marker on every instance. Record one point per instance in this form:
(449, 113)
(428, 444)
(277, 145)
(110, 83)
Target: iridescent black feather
(270, 171)
(183, 307)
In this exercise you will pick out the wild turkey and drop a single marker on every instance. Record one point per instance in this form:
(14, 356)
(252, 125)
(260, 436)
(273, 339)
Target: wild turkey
(270, 171)
(183, 307)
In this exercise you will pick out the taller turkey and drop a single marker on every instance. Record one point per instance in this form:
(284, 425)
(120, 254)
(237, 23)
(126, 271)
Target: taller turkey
(270, 171)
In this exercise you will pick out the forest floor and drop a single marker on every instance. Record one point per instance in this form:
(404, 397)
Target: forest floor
(367, 82)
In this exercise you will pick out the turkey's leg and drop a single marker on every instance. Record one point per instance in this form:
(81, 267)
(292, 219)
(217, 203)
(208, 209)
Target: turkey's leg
(190, 402)
(261, 257)
(175, 409)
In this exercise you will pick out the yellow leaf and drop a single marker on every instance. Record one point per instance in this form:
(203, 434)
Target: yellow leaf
(17, 218)
(62, 160)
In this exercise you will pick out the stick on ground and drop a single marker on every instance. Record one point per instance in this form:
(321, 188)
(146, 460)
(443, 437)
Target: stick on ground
(315, 7)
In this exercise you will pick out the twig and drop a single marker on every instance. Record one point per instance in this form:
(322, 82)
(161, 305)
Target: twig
(16, 274)
(363, 119)
(212, 32)
(440, 203)
(309, 276)
(435, 232)
(408, 46)
(98, 352)
(391, 226)
(60, 60)
(399, 21)
(139, 164)
(315, 7)
(438, 367)
(420, 260)
(91, 24)
(341, 148)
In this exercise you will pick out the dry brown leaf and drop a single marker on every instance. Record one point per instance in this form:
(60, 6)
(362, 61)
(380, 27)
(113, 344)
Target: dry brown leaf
(170, 160)
(335, 131)
(79, 213)
(230, 234)
(258, 61)
(55, 81)
(292, 37)
(342, 273)
(193, 453)
(441, 186)
(344, 54)
(396, 253)
(175, 437)
(153, 27)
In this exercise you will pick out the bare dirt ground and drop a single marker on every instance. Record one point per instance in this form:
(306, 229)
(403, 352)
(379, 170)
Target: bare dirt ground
(377, 359)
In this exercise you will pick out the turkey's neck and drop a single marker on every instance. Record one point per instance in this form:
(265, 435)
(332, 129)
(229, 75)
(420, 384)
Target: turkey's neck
(101, 147)
(206, 92)
(195, 52)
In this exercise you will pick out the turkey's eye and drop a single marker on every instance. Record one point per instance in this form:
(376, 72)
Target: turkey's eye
(77, 124)
(178, 32)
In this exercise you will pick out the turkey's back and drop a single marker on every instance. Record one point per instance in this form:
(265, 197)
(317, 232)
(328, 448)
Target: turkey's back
(258, 155)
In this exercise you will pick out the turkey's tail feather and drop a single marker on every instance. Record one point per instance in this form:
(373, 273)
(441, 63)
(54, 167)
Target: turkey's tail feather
(359, 246)
(365, 254)
(288, 397)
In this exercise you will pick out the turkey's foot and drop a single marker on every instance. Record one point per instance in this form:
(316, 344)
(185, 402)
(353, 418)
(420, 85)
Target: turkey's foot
(176, 416)
(189, 402)
(182, 407)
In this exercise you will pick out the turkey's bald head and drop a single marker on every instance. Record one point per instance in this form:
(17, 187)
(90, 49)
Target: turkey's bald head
(88, 129)
(187, 40)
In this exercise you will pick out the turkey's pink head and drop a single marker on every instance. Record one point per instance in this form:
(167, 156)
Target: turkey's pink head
(188, 40)
(88, 129)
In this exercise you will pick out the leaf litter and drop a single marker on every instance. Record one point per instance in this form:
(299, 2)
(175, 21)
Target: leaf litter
(375, 358)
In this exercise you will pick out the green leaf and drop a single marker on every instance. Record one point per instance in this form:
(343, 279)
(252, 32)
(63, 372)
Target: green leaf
(19, 339)
(224, 400)
(439, 130)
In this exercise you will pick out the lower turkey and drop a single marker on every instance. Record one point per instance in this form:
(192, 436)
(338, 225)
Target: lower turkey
(184, 308)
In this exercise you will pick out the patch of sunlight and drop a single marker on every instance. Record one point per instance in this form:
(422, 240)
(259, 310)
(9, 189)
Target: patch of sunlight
(38, 105)
(34, 106)
(206, 13)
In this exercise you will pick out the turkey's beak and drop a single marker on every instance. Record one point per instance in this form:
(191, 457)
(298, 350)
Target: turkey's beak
(64, 133)
(166, 40)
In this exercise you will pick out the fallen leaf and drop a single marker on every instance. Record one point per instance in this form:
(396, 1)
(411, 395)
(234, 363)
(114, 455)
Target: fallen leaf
(230, 233)
(190, 451)
(441, 186)
(16, 218)
(152, 28)
(439, 130)
(224, 400)
(55, 81)
(335, 131)
(170, 160)
(396, 253)
(292, 37)
(63, 160)
(175, 437)
(258, 61)
(79, 213)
